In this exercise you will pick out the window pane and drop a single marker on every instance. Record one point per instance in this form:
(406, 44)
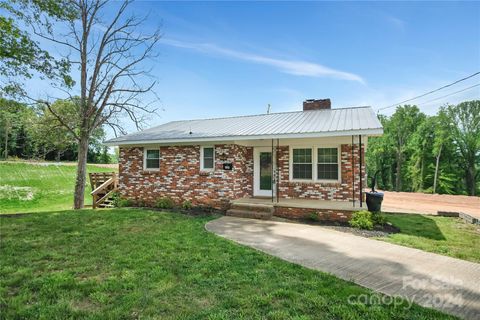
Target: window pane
(153, 163)
(208, 152)
(302, 155)
(153, 154)
(302, 171)
(265, 171)
(327, 171)
(308, 155)
(327, 155)
(208, 163)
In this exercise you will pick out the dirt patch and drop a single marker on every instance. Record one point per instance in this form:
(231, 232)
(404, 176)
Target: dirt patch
(412, 202)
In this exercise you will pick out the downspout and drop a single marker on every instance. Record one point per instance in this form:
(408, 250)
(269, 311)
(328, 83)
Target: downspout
(361, 173)
(277, 176)
(272, 171)
(353, 172)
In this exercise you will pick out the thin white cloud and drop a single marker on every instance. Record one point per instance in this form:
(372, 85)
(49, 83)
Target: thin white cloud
(396, 22)
(295, 67)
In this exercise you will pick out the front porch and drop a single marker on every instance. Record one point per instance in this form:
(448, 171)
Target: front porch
(321, 210)
(302, 203)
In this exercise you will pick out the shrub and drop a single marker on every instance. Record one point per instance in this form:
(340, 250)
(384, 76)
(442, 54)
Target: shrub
(313, 216)
(116, 199)
(378, 219)
(362, 220)
(122, 202)
(165, 203)
(187, 205)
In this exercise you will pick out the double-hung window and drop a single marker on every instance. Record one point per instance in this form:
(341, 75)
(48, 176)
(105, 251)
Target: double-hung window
(207, 159)
(327, 164)
(302, 163)
(152, 159)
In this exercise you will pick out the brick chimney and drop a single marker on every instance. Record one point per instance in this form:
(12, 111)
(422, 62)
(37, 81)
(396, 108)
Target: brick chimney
(317, 104)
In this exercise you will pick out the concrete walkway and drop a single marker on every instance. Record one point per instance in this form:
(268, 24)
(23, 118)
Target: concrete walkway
(447, 284)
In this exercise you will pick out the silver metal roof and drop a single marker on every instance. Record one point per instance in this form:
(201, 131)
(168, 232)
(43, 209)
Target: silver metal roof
(314, 123)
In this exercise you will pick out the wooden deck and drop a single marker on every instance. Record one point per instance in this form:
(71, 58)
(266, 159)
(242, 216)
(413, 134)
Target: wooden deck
(302, 203)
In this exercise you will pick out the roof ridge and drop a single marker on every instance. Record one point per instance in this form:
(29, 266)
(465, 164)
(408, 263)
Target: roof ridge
(266, 114)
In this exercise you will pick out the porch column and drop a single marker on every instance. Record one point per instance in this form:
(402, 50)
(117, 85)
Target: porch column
(353, 171)
(277, 169)
(272, 170)
(361, 173)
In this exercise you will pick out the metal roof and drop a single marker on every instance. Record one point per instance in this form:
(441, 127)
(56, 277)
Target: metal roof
(314, 123)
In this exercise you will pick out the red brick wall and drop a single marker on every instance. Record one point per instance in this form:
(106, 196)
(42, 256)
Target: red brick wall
(180, 177)
(306, 213)
(325, 191)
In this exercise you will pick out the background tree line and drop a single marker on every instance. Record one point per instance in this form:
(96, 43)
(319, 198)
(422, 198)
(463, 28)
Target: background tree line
(434, 154)
(28, 132)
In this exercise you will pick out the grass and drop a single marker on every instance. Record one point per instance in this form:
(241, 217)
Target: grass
(443, 235)
(127, 263)
(26, 187)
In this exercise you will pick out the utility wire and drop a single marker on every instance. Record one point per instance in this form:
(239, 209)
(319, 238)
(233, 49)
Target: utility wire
(430, 92)
(450, 94)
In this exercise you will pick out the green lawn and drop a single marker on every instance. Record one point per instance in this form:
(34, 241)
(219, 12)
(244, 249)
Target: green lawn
(443, 235)
(26, 187)
(130, 264)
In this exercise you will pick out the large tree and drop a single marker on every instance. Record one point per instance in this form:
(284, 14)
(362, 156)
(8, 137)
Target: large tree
(108, 65)
(21, 55)
(399, 131)
(464, 128)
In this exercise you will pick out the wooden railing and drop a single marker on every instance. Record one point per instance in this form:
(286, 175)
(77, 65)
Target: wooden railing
(104, 185)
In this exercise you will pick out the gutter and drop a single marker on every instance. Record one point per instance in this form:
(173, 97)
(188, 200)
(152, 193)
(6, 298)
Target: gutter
(369, 132)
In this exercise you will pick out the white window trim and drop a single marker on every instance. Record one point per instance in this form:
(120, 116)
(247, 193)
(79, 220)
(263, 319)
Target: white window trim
(314, 163)
(290, 157)
(145, 159)
(201, 159)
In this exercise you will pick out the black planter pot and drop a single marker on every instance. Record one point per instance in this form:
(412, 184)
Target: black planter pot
(374, 201)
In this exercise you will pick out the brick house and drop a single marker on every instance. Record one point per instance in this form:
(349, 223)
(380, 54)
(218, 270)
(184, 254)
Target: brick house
(287, 164)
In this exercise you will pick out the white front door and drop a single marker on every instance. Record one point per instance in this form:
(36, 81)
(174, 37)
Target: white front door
(263, 171)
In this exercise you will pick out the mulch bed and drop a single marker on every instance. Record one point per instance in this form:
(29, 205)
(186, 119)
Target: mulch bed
(378, 231)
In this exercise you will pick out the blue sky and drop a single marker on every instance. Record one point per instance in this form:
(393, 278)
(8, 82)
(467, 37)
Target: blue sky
(225, 58)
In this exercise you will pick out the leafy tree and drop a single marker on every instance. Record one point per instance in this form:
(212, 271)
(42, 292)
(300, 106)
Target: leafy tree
(20, 55)
(379, 158)
(399, 130)
(51, 135)
(464, 128)
(15, 119)
(420, 154)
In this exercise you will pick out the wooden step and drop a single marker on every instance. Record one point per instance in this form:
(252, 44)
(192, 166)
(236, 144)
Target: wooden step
(249, 214)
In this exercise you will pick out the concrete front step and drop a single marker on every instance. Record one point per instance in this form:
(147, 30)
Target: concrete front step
(256, 207)
(249, 214)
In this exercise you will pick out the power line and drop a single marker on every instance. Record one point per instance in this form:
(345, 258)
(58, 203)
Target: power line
(450, 94)
(430, 92)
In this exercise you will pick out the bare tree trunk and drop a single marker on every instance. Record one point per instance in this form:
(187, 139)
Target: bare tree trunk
(79, 194)
(6, 142)
(398, 178)
(435, 177)
(470, 180)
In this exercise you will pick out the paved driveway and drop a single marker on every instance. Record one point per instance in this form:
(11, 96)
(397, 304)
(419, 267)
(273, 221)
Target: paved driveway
(431, 280)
